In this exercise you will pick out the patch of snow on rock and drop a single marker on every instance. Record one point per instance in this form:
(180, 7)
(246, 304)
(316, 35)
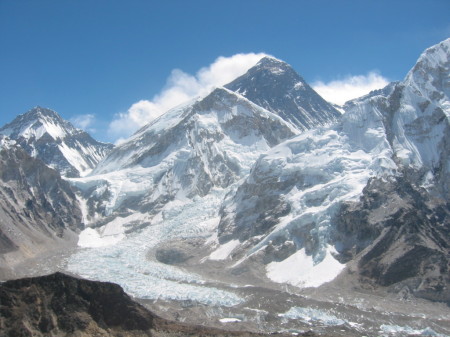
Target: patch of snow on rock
(300, 270)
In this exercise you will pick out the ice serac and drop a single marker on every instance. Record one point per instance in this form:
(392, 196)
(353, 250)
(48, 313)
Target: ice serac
(208, 143)
(372, 190)
(43, 134)
(38, 210)
(275, 86)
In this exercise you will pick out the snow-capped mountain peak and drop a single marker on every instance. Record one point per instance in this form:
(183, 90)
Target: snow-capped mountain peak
(210, 143)
(36, 123)
(44, 134)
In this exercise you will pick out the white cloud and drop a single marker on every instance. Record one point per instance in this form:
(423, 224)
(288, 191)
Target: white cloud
(181, 87)
(340, 91)
(83, 122)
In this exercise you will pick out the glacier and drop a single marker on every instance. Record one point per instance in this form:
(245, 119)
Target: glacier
(128, 263)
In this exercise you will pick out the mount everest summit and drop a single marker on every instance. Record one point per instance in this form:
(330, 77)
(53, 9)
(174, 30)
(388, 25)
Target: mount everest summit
(263, 178)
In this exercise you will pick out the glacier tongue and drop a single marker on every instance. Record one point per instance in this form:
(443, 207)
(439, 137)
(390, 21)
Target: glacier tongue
(171, 177)
(128, 262)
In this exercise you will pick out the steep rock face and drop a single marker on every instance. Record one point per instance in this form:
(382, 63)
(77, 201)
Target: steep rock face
(398, 134)
(38, 210)
(43, 134)
(275, 86)
(210, 143)
(399, 234)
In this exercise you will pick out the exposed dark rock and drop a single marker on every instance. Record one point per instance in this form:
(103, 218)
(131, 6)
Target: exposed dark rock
(38, 209)
(399, 235)
(61, 305)
(275, 86)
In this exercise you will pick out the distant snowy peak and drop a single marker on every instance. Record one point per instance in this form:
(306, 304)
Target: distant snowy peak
(275, 86)
(36, 123)
(45, 135)
(430, 77)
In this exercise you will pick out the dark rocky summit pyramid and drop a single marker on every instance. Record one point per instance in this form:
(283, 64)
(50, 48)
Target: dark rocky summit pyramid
(275, 86)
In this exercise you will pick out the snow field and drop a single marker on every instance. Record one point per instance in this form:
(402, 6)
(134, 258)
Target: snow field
(300, 270)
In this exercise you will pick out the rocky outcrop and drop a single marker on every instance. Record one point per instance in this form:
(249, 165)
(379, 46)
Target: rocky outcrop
(61, 305)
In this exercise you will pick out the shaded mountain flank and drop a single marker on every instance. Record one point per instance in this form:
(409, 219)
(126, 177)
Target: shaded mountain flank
(38, 209)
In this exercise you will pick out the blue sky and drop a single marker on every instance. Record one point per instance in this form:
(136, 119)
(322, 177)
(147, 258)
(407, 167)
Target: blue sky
(93, 60)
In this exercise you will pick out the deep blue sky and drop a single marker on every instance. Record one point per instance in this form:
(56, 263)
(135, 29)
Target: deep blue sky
(100, 56)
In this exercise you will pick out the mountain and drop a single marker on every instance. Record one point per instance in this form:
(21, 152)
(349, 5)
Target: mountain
(38, 210)
(275, 86)
(46, 136)
(371, 192)
(207, 144)
(258, 187)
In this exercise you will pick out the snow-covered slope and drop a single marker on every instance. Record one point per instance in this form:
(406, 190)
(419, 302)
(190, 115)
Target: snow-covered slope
(46, 136)
(206, 144)
(275, 86)
(287, 212)
(430, 77)
(286, 205)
